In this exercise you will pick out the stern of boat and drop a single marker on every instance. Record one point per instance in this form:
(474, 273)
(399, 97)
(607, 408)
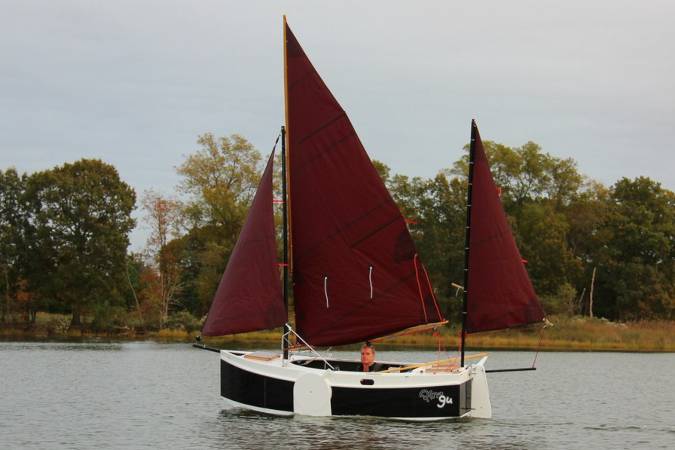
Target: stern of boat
(481, 408)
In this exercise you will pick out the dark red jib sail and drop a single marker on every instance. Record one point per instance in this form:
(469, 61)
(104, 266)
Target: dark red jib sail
(355, 268)
(500, 294)
(249, 295)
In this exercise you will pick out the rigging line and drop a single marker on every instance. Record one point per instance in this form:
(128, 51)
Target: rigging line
(541, 336)
(325, 290)
(419, 288)
(370, 279)
(297, 336)
(274, 147)
(433, 296)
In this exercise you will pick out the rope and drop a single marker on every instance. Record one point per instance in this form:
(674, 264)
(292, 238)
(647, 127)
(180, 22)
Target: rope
(439, 341)
(419, 288)
(325, 290)
(276, 141)
(433, 296)
(370, 279)
(541, 336)
(411, 330)
(298, 337)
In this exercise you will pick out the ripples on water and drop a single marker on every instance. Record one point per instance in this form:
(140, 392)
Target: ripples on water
(147, 395)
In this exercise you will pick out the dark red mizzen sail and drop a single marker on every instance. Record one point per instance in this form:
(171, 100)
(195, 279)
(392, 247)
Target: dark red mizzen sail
(355, 270)
(500, 293)
(249, 295)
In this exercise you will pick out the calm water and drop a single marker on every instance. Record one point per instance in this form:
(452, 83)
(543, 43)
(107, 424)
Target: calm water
(147, 395)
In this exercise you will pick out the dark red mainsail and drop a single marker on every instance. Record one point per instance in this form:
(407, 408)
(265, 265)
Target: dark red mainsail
(249, 295)
(500, 294)
(356, 272)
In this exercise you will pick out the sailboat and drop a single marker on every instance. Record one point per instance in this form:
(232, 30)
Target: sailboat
(356, 276)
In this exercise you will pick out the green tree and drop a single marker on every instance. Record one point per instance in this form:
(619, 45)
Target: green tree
(635, 273)
(202, 262)
(541, 233)
(383, 170)
(221, 179)
(81, 216)
(526, 173)
(435, 211)
(12, 217)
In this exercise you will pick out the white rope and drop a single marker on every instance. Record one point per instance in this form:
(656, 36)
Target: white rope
(325, 290)
(370, 279)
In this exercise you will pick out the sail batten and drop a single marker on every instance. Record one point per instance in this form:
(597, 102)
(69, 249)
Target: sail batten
(249, 296)
(346, 227)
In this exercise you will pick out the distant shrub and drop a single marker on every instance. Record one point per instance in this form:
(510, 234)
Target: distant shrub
(111, 319)
(562, 302)
(183, 320)
(57, 325)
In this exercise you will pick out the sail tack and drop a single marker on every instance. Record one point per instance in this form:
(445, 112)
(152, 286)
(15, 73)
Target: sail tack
(356, 272)
(500, 293)
(249, 295)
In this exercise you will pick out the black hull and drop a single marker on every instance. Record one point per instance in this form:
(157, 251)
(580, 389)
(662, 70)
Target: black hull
(269, 393)
(402, 402)
(256, 390)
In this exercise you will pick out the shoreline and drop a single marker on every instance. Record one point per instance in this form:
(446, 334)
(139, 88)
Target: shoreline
(506, 341)
(567, 333)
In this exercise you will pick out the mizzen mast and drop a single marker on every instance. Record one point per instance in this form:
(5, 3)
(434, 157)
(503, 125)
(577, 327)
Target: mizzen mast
(467, 234)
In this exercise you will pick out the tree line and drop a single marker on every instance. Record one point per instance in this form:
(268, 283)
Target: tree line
(64, 236)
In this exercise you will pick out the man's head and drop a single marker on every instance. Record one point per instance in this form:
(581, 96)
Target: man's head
(367, 354)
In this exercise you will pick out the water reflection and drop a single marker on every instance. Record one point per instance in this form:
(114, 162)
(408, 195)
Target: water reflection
(237, 427)
(150, 395)
(302, 432)
(62, 346)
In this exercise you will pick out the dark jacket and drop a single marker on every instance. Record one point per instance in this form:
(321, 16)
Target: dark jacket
(375, 367)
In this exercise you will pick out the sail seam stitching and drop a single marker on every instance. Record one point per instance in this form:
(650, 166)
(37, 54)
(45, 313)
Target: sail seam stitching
(321, 127)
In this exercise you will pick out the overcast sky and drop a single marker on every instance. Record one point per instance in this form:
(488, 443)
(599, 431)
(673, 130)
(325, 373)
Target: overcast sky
(135, 82)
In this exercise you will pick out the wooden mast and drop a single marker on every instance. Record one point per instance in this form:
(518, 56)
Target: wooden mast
(288, 172)
(285, 183)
